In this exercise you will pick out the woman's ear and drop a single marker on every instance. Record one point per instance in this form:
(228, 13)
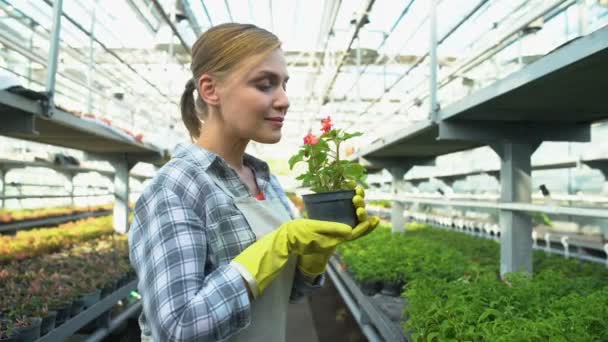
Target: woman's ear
(208, 91)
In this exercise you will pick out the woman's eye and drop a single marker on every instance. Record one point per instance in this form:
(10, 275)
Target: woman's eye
(264, 86)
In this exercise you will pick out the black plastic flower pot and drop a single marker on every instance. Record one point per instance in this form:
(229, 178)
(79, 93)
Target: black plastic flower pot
(31, 332)
(336, 206)
(108, 288)
(370, 288)
(77, 307)
(91, 298)
(48, 322)
(11, 338)
(63, 313)
(392, 288)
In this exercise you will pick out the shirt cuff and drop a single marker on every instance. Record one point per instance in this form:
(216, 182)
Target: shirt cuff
(253, 285)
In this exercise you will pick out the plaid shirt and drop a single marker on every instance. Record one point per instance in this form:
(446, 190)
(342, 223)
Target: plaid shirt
(184, 234)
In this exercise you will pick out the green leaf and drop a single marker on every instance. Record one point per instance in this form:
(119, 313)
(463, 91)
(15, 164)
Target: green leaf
(354, 171)
(296, 158)
(347, 136)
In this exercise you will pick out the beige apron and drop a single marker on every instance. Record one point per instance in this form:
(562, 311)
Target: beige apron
(269, 311)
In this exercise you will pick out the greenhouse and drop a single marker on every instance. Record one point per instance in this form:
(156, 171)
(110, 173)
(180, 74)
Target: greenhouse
(303, 170)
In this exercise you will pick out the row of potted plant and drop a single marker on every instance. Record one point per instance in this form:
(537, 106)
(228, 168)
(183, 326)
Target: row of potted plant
(454, 292)
(43, 292)
(382, 203)
(35, 242)
(12, 215)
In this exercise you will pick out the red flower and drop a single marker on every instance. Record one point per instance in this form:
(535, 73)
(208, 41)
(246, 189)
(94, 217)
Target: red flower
(326, 124)
(311, 139)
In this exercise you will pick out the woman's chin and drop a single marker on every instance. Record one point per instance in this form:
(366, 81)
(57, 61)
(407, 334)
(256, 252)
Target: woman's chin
(269, 139)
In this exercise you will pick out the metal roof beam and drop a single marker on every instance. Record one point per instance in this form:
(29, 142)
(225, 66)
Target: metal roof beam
(196, 27)
(162, 12)
(361, 21)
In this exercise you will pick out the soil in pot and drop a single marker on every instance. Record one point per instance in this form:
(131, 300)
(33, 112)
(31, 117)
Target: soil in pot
(392, 288)
(370, 288)
(336, 206)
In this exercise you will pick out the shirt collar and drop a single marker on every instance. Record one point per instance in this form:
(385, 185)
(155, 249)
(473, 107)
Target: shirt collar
(205, 159)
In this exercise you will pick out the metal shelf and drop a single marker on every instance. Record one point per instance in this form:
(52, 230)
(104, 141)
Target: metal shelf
(75, 323)
(27, 119)
(373, 322)
(8, 164)
(570, 247)
(50, 221)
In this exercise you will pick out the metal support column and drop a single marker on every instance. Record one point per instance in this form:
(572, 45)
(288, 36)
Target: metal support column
(3, 172)
(433, 62)
(583, 17)
(53, 55)
(397, 208)
(121, 193)
(71, 177)
(398, 167)
(91, 70)
(602, 166)
(516, 186)
(449, 183)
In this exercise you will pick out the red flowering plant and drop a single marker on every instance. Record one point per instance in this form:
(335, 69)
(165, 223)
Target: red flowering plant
(326, 170)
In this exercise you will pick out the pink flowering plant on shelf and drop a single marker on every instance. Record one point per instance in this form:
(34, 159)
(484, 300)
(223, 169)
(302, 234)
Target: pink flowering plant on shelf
(332, 177)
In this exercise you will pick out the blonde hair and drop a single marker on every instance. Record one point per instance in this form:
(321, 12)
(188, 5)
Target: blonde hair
(218, 52)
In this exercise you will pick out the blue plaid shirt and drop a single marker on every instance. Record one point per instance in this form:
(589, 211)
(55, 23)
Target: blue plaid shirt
(184, 234)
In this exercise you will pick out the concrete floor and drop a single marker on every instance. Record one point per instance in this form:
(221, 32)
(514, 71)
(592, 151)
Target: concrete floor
(332, 319)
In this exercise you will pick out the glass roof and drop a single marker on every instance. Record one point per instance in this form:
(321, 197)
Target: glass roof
(369, 70)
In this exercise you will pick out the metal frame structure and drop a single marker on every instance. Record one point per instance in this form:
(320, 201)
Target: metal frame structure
(511, 117)
(330, 58)
(373, 323)
(555, 243)
(71, 326)
(27, 119)
(49, 221)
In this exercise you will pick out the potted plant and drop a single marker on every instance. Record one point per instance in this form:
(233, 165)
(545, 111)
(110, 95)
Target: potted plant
(331, 178)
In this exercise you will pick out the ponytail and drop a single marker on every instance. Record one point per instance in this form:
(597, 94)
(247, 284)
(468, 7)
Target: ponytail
(188, 109)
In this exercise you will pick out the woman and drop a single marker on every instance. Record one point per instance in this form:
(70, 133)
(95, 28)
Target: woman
(216, 251)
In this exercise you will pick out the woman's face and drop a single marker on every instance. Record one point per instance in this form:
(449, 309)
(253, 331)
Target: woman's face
(253, 100)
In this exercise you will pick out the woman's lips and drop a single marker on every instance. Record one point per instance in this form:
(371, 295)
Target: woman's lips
(276, 121)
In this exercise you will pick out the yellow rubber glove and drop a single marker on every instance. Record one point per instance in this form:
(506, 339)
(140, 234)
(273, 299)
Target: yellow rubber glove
(313, 265)
(265, 258)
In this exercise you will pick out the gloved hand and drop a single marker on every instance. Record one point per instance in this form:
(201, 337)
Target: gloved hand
(314, 264)
(265, 258)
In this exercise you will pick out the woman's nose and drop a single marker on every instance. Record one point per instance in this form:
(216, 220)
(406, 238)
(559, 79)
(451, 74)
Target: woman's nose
(281, 100)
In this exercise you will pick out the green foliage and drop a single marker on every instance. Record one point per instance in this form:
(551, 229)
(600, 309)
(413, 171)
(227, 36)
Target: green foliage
(454, 290)
(326, 170)
(381, 203)
(541, 218)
